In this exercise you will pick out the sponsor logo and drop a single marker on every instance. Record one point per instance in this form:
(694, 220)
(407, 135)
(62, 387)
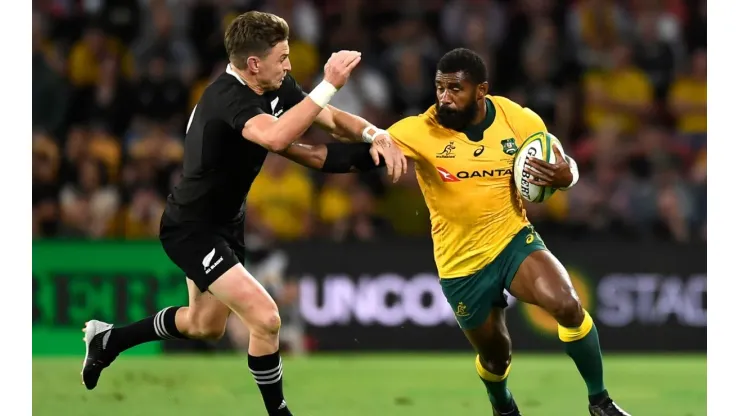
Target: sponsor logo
(387, 300)
(446, 175)
(465, 174)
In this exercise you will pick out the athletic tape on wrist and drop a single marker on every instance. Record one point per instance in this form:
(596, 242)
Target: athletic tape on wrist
(573, 170)
(368, 137)
(322, 94)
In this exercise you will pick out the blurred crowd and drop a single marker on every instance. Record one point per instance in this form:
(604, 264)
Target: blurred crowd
(621, 83)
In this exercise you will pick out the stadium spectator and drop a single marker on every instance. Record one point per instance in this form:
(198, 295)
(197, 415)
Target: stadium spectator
(688, 102)
(281, 200)
(89, 204)
(620, 92)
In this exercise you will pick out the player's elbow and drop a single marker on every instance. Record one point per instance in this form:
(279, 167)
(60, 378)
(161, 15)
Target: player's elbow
(272, 142)
(277, 141)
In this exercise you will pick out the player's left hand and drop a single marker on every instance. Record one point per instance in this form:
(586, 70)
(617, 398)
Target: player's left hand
(555, 175)
(395, 161)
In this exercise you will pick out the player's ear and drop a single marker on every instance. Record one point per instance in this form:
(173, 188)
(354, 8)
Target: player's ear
(253, 64)
(482, 90)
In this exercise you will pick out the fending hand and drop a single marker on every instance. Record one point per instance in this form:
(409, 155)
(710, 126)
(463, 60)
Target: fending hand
(395, 161)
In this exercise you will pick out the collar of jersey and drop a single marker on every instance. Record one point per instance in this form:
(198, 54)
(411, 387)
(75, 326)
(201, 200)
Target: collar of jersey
(475, 131)
(233, 73)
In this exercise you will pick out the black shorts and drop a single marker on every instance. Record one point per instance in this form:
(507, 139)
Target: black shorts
(203, 251)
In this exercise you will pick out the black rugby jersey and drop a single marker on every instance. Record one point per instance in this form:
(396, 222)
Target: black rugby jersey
(219, 164)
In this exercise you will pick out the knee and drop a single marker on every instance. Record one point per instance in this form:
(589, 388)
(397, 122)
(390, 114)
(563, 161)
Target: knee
(495, 364)
(266, 323)
(263, 317)
(567, 311)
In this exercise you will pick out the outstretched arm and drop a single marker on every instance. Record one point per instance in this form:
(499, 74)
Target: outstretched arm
(345, 126)
(333, 157)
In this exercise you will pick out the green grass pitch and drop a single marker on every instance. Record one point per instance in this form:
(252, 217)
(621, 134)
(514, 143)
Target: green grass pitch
(365, 385)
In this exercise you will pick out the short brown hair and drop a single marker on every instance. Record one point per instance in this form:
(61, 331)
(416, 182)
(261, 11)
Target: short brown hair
(253, 33)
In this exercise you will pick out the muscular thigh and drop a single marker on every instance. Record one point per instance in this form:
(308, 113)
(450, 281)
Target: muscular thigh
(542, 280)
(244, 295)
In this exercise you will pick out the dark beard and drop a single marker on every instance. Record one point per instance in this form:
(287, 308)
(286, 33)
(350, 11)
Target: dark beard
(456, 119)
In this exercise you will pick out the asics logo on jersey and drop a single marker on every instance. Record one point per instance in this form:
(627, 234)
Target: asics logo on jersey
(447, 152)
(447, 176)
(479, 151)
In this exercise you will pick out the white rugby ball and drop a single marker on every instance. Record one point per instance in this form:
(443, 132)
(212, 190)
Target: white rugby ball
(538, 145)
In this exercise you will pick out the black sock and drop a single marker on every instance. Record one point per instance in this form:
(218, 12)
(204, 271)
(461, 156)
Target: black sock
(153, 328)
(267, 371)
(599, 398)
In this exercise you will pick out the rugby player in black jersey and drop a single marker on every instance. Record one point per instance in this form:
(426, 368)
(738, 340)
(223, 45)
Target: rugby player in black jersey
(254, 107)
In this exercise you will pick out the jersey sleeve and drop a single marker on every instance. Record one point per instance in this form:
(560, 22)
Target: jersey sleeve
(403, 133)
(522, 120)
(237, 110)
(291, 92)
(531, 123)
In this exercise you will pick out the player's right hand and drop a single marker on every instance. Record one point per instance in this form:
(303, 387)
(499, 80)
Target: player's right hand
(339, 66)
(395, 161)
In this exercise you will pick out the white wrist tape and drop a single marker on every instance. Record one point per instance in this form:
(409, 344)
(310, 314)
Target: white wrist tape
(371, 132)
(573, 171)
(322, 94)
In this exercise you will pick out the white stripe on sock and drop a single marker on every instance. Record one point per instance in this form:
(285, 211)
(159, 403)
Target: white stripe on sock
(261, 372)
(270, 381)
(164, 328)
(269, 374)
(159, 328)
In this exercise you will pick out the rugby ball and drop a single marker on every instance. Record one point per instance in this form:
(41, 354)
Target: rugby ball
(538, 145)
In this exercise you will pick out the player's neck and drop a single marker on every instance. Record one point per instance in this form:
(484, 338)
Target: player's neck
(482, 112)
(247, 80)
(254, 85)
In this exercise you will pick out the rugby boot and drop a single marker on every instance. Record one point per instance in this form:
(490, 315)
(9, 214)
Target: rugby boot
(607, 407)
(512, 412)
(96, 356)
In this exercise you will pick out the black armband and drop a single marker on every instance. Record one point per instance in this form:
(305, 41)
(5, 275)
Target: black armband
(342, 157)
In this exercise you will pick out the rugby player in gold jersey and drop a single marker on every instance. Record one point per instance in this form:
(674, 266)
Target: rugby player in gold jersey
(463, 148)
